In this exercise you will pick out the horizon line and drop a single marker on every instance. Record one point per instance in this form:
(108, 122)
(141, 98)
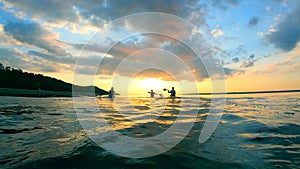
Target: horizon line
(246, 92)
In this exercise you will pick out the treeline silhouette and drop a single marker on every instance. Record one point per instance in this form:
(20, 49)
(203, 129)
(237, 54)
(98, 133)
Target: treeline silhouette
(16, 78)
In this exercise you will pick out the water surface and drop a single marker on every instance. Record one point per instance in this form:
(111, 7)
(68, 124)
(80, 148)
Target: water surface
(256, 131)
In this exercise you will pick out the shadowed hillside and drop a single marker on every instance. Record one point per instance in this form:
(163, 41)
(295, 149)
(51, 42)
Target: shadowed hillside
(17, 79)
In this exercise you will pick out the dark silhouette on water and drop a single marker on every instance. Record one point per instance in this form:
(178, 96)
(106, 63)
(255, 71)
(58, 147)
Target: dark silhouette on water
(152, 93)
(172, 91)
(111, 93)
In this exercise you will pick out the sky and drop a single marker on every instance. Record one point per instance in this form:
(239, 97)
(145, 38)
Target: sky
(253, 45)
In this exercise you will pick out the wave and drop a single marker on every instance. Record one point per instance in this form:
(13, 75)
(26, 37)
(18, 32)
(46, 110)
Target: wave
(15, 131)
(90, 156)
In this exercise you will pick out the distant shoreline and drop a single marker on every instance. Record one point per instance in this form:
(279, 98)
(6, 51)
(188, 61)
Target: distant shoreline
(36, 93)
(15, 82)
(42, 93)
(250, 92)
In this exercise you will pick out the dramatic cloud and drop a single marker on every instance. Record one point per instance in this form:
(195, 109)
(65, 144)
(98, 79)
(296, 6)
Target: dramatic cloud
(53, 58)
(17, 59)
(123, 8)
(48, 35)
(253, 21)
(98, 12)
(154, 73)
(35, 34)
(11, 57)
(287, 34)
(166, 46)
(71, 14)
(51, 10)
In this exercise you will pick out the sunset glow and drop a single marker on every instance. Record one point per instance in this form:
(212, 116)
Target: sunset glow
(258, 50)
(152, 83)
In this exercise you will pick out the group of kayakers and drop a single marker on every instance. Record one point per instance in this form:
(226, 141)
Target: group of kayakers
(111, 93)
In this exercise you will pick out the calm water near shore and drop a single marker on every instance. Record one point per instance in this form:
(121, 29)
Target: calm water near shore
(256, 131)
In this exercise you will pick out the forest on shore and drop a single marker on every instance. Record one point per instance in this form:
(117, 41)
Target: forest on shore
(17, 79)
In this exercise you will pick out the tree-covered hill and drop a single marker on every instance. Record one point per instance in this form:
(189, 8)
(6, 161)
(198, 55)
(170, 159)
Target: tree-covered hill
(16, 78)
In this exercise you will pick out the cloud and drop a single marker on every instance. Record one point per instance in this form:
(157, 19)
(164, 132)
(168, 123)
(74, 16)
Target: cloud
(99, 12)
(154, 73)
(6, 40)
(289, 65)
(253, 21)
(176, 7)
(216, 33)
(51, 10)
(233, 2)
(249, 62)
(287, 33)
(224, 4)
(11, 57)
(181, 54)
(235, 59)
(45, 47)
(164, 60)
(219, 4)
(49, 69)
(35, 34)
(1, 29)
(53, 58)
(76, 15)
(232, 72)
(18, 59)
(198, 15)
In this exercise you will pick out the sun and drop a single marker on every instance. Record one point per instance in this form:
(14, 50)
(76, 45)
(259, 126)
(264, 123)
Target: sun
(152, 83)
(141, 86)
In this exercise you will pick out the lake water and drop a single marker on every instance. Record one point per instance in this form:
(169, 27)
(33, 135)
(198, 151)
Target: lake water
(257, 131)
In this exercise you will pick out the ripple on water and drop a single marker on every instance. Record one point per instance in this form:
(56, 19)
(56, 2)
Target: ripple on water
(286, 129)
(54, 114)
(15, 131)
(45, 133)
(89, 156)
(232, 117)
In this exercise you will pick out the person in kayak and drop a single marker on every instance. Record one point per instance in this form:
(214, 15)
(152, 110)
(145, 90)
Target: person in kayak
(111, 93)
(173, 92)
(152, 93)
